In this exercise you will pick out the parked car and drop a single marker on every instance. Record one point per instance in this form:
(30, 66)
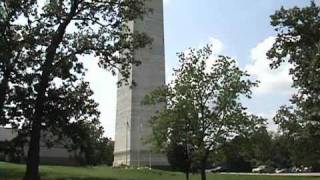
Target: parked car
(216, 169)
(263, 169)
(307, 169)
(300, 169)
(295, 170)
(284, 170)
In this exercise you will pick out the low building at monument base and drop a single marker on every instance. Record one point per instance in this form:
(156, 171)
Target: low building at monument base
(140, 159)
(55, 155)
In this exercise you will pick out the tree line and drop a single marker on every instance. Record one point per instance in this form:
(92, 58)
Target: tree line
(205, 123)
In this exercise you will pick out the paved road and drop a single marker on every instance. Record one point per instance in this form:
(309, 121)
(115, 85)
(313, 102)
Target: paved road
(269, 174)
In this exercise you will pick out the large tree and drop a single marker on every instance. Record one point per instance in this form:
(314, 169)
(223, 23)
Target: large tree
(203, 105)
(298, 43)
(55, 33)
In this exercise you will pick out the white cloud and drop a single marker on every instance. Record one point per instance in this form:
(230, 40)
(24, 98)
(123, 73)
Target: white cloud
(217, 45)
(268, 115)
(270, 123)
(217, 49)
(271, 81)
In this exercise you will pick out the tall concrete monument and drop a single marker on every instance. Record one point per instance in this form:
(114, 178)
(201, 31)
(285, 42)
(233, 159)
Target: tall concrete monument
(132, 121)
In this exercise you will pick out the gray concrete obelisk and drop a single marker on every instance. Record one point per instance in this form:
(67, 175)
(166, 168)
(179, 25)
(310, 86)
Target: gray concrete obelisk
(132, 121)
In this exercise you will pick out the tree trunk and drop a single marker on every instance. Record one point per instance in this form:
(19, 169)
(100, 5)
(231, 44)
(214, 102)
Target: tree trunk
(32, 170)
(203, 170)
(187, 173)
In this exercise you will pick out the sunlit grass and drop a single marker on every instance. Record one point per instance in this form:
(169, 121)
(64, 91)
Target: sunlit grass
(10, 171)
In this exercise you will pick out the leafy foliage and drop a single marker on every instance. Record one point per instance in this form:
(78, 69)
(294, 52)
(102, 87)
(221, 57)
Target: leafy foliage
(42, 86)
(298, 42)
(261, 147)
(12, 43)
(88, 140)
(178, 157)
(203, 105)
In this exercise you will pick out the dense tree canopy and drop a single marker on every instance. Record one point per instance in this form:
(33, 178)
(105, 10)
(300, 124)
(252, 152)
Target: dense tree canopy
(42, 84)
(12, 42)
(89, 142)
(298, 42)
(243, 153)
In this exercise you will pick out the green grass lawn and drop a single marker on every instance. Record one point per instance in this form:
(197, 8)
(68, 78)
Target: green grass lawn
(15, 172)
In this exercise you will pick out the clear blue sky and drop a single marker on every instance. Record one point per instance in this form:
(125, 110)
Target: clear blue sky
(240, 29)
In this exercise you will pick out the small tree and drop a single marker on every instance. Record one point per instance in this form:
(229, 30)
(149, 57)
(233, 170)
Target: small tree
(179, 157)
(87, 139)
(203, 105)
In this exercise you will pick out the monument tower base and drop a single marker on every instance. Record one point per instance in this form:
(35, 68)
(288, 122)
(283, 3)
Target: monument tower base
(133, 118)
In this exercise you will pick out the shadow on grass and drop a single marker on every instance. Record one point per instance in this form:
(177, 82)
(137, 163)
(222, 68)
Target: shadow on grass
(86, 178)
(11, 173)
(16, 174)
(19, 175)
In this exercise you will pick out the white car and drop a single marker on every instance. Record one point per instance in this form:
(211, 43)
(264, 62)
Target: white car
(278, 171)
(263, 169)
(258, 169)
